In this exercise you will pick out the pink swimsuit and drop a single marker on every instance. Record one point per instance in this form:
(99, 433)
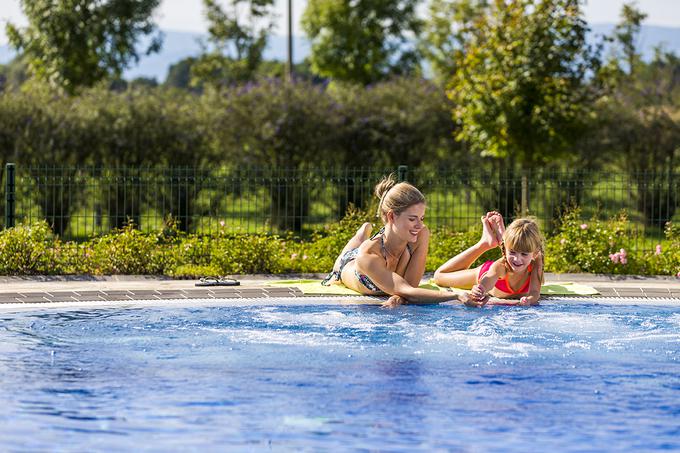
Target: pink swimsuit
(502, 283)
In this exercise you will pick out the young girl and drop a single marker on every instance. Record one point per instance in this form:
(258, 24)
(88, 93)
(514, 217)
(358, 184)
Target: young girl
(517, 274)
(393, 260)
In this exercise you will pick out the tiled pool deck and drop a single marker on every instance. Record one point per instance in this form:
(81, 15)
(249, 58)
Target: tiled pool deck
(49, 289)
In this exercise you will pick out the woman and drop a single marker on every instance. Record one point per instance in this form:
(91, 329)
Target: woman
(393, 260)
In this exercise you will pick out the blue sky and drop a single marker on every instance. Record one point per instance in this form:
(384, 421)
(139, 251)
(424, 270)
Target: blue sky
(187, 15)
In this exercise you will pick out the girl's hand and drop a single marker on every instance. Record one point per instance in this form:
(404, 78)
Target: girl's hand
(524, 300)
(479, 293)
(470, 301)
(393, 302)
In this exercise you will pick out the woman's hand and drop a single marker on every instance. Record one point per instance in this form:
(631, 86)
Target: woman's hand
(394, 302)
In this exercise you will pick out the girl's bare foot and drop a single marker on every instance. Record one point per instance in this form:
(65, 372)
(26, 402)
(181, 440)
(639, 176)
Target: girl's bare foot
(488, 238)
(496, 224)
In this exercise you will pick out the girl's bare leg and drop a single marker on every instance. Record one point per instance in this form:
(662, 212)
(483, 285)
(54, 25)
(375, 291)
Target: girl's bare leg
(456, 272)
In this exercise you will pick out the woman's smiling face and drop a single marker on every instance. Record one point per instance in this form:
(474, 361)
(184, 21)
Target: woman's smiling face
(410, 222)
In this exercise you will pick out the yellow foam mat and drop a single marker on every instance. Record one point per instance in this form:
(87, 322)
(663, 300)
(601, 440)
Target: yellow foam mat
(314, 287)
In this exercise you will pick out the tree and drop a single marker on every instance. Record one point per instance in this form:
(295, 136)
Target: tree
(522, 90)
(179, 74)
(362, 41)
(13, 74)
(76, 43)
(238, 38)
(447, 28)
(626, 33)
(641, 127)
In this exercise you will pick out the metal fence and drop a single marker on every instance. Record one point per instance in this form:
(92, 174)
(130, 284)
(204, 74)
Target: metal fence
(79, 202)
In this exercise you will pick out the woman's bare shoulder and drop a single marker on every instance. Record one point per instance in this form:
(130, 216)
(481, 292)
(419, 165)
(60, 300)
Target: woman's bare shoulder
(369, 246)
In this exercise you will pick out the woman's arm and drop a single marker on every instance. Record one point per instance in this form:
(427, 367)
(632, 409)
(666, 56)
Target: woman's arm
(416, 264)
(394, 284)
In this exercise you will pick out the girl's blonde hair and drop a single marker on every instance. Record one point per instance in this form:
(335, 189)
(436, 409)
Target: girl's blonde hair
(396, 196)
(524, 236)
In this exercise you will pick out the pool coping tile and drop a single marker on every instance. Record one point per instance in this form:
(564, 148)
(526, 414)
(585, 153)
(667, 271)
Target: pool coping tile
(259, 292)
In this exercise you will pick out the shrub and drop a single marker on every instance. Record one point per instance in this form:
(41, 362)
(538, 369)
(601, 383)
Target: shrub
(246, 254)
(327, 243)
(594, 246)
(28, 250)
(665, 260)
(193, 271)
(129, 251)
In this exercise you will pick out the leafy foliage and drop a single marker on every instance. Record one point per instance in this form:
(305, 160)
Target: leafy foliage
(521, 89)
(320, 253)
(364, 41)
(594, 246)
(665, 260)
(238, 38)
(76, 43)
(129, 251)
(591, 246)
(28, 250)
(450, 24)
(639, 127)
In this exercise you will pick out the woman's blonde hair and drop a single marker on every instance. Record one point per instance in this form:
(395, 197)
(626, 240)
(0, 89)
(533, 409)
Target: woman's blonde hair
(396, 196)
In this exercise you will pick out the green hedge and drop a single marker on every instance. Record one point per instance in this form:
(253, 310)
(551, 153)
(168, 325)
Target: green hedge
(403, 121)
(577, 246)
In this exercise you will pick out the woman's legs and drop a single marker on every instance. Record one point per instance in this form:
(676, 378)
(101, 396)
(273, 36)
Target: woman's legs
(363, 233)
(456, 272)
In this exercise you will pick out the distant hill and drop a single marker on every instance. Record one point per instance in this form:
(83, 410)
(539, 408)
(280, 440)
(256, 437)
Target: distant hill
(180, 45)
(651, 36)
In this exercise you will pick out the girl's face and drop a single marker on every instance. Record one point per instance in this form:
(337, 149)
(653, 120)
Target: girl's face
(410, 222)
(518, 261)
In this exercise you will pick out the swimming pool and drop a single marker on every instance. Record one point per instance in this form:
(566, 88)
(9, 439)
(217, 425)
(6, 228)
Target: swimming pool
(567, 377)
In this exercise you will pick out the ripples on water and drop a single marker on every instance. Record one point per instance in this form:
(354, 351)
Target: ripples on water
(567, 377)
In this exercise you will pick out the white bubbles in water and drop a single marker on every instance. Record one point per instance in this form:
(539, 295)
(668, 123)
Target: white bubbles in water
(330, 319)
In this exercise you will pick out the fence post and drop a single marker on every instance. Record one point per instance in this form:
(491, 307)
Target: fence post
(10, 188)
(525, 194)
(402, 172)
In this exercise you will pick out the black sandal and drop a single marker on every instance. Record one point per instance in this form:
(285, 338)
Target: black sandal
(217, 281)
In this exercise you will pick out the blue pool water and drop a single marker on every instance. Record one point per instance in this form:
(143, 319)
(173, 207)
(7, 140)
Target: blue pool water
(557, 377)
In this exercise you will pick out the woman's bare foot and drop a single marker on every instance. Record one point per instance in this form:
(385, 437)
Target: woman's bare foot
(363, 233)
